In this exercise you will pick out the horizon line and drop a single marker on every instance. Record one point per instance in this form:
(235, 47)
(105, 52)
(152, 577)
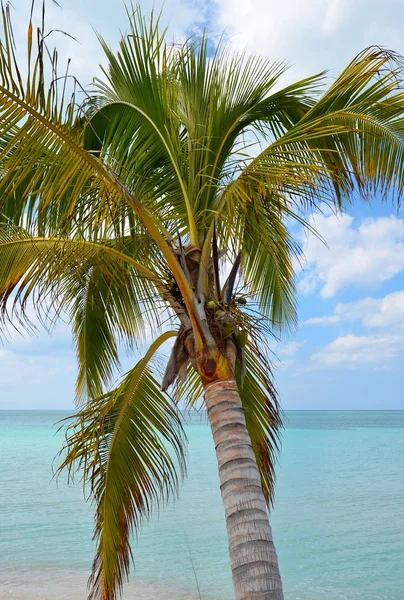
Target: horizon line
(204, 409)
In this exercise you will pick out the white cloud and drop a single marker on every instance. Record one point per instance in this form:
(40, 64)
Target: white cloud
(43, 380)
(29, 330)
(351, 351)
(370, 312)
(331, 320)
(289, 349)
(313, 35)
(38, 370)
(35, 368)
(333, 17)
(375, 312)
(81, 19)
(364, 256)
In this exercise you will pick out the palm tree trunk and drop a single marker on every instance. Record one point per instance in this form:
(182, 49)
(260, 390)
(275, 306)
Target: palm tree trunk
(253, 557)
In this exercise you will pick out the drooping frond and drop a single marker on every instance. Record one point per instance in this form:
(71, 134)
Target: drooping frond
(109, 296)
(367, 100)
(104, 314)
(262, 413)
(350, 140)
(131, 448)
(50, 179)
(267, 250)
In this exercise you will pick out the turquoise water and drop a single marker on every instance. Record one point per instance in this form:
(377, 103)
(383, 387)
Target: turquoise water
(338, 520)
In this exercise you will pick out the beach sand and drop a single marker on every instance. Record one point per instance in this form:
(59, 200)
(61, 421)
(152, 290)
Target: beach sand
(44, 583)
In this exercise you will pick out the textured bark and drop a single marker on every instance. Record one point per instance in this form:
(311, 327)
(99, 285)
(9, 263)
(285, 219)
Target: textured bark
(253, 557)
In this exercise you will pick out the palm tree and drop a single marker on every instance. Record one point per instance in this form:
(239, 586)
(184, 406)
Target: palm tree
(122, 213)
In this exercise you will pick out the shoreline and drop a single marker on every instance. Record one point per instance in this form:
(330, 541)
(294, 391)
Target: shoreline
(41, 582)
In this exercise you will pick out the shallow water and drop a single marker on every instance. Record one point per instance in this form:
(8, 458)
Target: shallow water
(338, 520)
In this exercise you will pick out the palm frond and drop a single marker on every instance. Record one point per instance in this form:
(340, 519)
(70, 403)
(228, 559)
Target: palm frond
(367, 99)
(109, 296)
(262, 413)
(350, 140)
(172, 118)
(188, 391)
(47, 174)
(141, 80)
(131, 448)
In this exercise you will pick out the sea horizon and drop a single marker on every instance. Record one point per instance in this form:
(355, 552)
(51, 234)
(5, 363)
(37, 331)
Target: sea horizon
(284, 410)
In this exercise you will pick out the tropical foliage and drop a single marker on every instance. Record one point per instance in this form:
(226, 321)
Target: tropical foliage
(122, 211)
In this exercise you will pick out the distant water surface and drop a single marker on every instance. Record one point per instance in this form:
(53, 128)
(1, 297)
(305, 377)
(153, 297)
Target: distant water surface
(338, 520)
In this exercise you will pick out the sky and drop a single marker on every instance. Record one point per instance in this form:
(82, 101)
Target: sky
(349, 348)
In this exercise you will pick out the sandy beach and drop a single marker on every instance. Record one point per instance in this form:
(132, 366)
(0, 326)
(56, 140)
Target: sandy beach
(44, 583)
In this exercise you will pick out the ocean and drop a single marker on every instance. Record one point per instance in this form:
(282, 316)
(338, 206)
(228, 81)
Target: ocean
(338, 520)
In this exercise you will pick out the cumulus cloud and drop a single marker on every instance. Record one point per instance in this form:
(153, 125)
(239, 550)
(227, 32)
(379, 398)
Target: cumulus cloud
(289, 349)
(36, 369)
(362, 256)
(358, 256)
(331, 320)
(376, 312)
(352, 351)
(370, 312)
(312, 35)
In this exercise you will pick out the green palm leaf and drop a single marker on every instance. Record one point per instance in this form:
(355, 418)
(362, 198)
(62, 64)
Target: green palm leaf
(141, 78)
(351, 138)
(131, 448)
(262, 413)
(108, 295)
(48, 177)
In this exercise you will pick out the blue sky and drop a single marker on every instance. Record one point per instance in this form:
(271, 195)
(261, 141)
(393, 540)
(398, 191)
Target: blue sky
(349, 349)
